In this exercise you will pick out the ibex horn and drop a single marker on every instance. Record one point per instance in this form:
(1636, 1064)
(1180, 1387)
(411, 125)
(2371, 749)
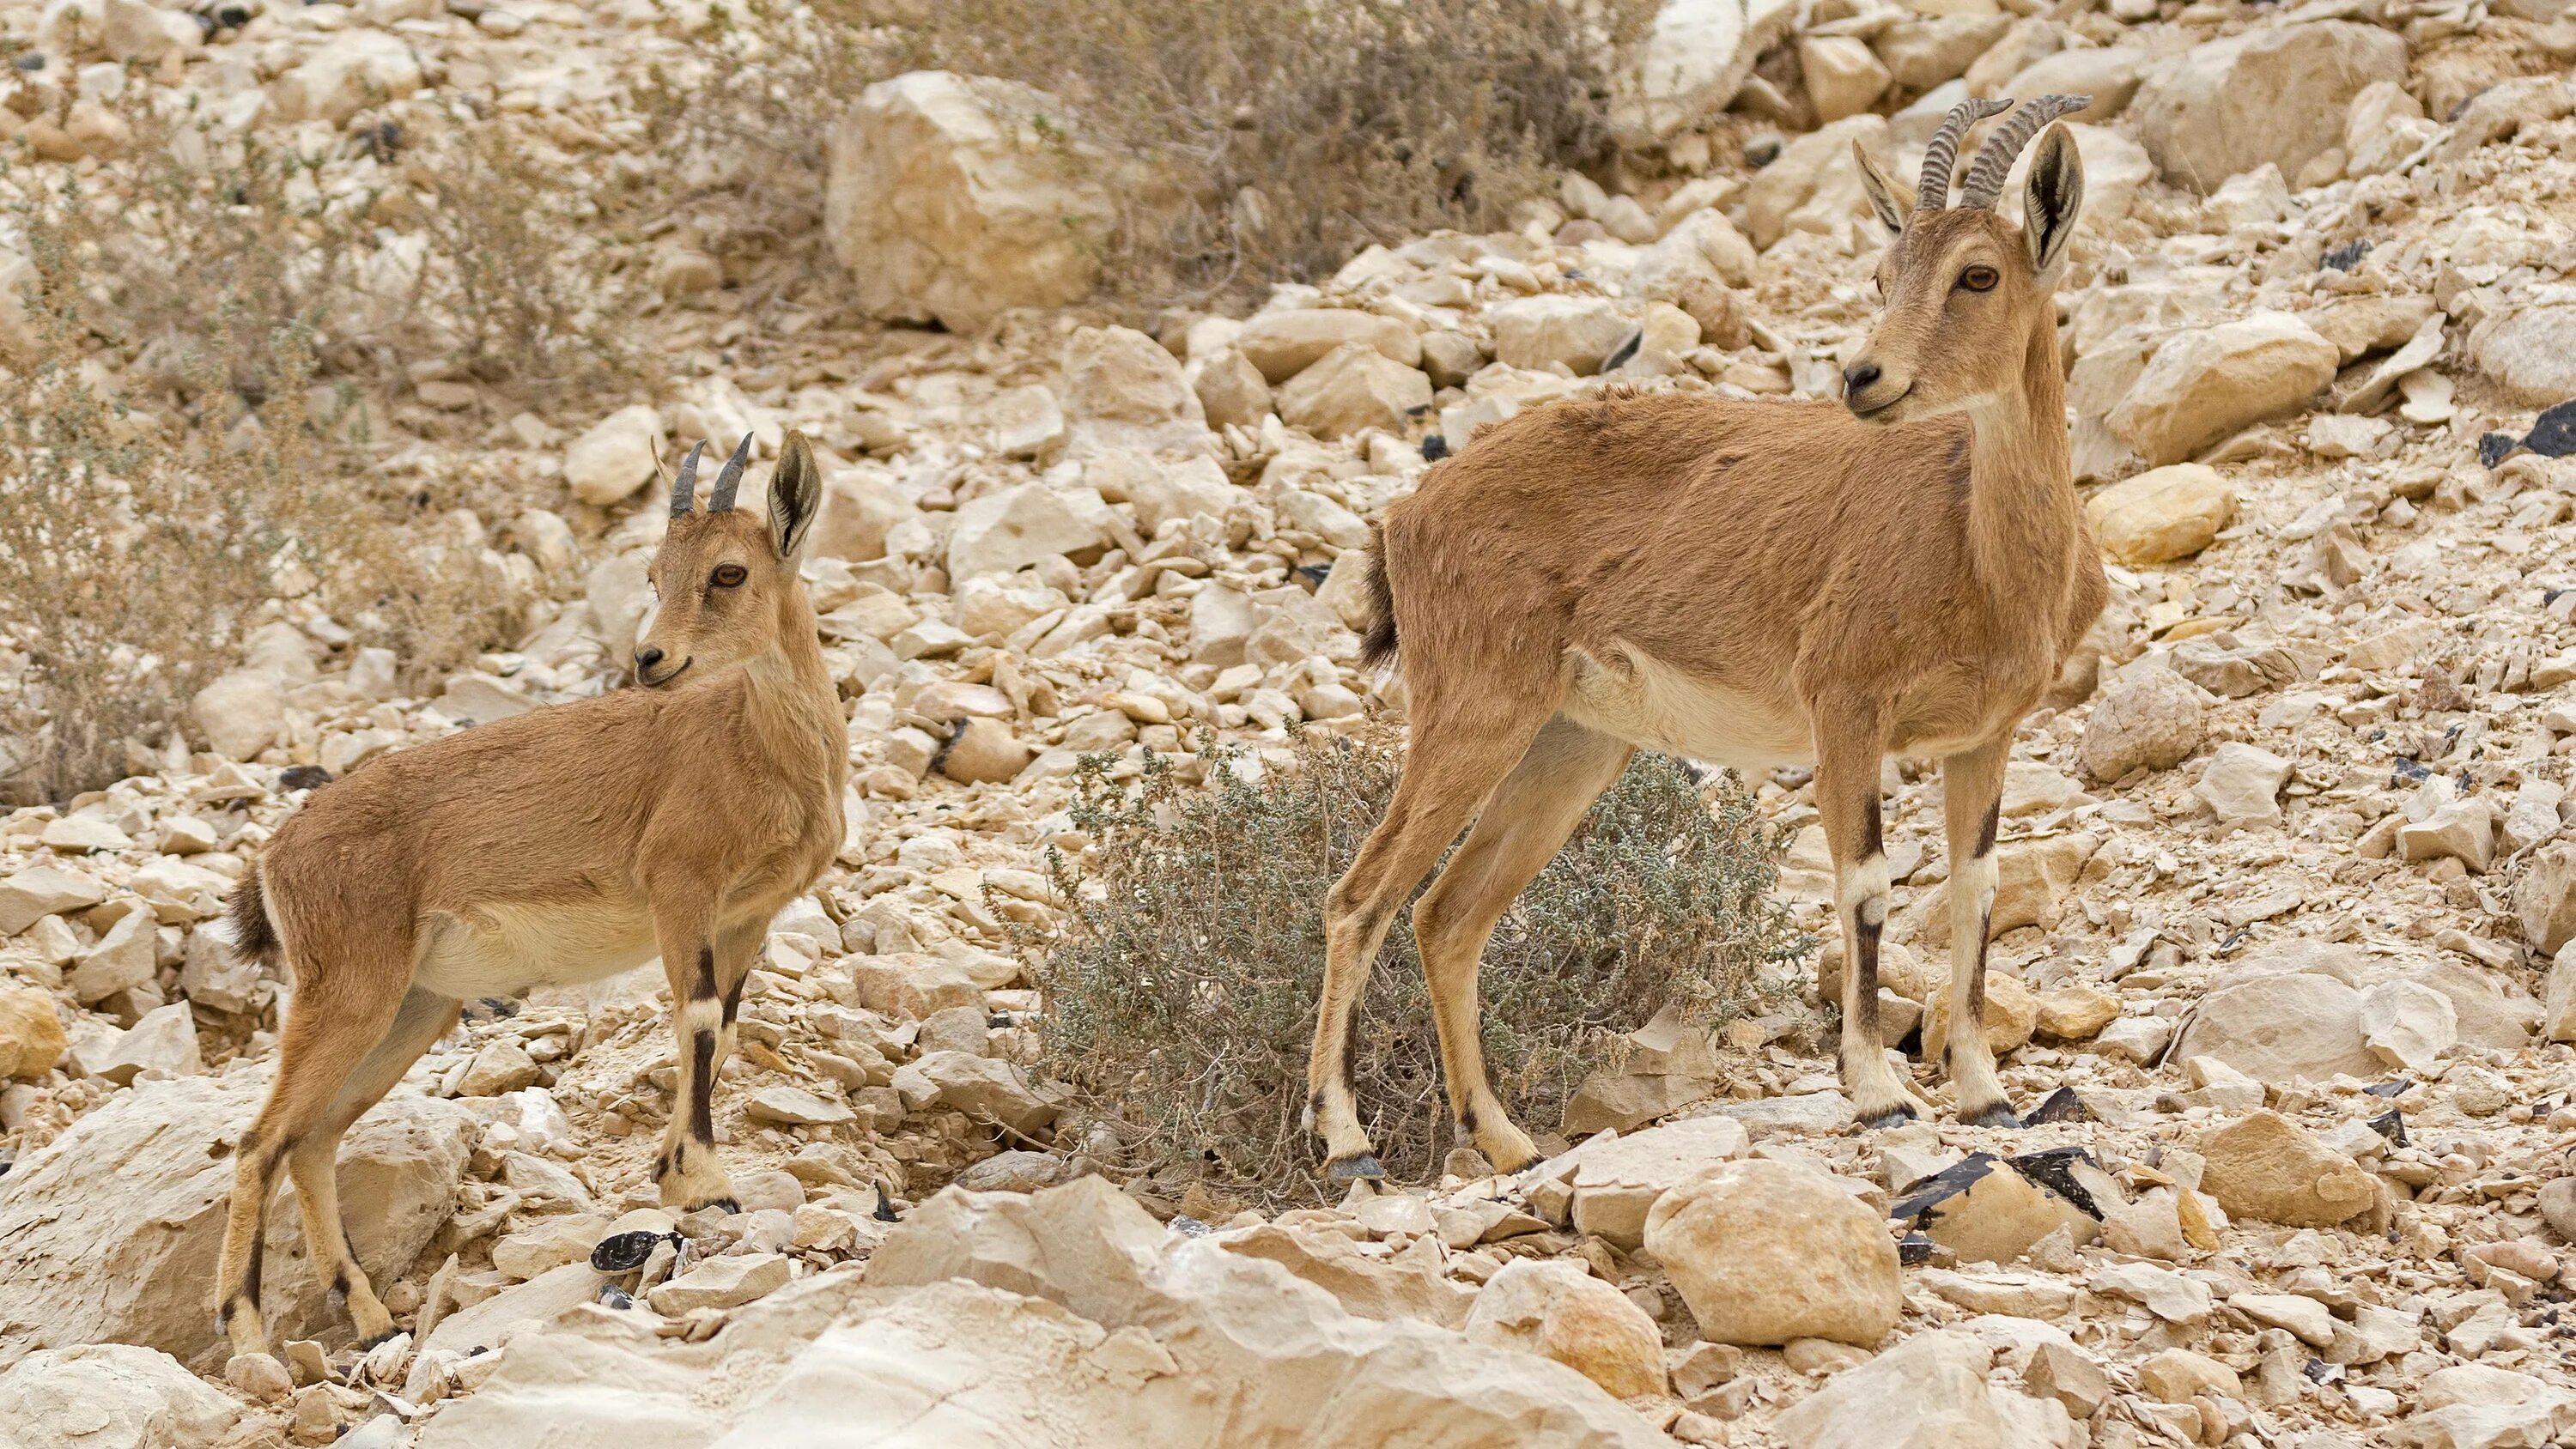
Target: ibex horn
(729, 478)
(1995, 158)
(1941, 163)
(684, 485)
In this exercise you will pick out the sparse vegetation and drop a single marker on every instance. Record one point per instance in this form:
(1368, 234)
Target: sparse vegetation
(1181, 986)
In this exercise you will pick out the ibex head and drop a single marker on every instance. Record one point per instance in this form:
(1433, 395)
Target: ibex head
(723, 574)
(1965, 288)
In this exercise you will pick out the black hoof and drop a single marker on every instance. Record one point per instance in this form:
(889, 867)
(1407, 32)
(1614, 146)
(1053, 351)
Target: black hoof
(1896, 1116)
(387, 1335)
(1998, 1115)
(728, 1204)
(1355, 1169)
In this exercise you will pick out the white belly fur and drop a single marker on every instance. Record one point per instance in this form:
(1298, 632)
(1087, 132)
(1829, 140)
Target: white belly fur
(1647, 702)
(508, 950)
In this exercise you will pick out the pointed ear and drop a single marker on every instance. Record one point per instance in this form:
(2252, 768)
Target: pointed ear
(2050, 200)
(795, 495)
(1891, 204)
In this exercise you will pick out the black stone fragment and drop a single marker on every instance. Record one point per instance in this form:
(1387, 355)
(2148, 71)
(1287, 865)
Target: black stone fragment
(2387, 1089)
(1914, 1250)
(2054, 1169)
(2061, 1105)
(303, 777)
(2553, 433)
(885, 1207)
(1948, 1183)
(2492, 447)
(1625, 350)
(2348, 256)
(1434, 448)
(2390, 1124)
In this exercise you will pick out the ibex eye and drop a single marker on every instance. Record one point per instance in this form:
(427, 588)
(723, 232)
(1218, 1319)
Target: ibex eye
(729, 575)
(1979, 279)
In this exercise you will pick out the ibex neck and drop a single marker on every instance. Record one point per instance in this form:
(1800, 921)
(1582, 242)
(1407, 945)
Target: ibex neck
(793, 706)
(2022, 520)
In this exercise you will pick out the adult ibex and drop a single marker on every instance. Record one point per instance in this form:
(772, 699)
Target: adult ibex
(1753, 584)
(562, 846)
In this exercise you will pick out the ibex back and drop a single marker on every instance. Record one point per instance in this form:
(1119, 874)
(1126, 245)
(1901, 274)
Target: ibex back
(562, 846)
(1753, 584)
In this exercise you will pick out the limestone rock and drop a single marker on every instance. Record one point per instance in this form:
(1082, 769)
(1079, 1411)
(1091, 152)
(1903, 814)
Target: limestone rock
(1764, 1252)
(796, 1107)
(2463, 830)
(1926, 51)
(2150, 718)
(1843, 77)
(2560, 1022)
(2240, 783)
(1578, 332)
(2176, 1375)
(1353, 388)
(2275, 95)
(1232, 392)
(1282, 344)
(946, 202)
(728, 1281)
(1617, 1183)
(1559, 1310)
(1929, 1392)
(2264, 1166)
(985, 1089)
(2292, 1026)
(985, 752)
(2545, 898)
(28, 896)
(860, 510)
(2110, 74)
(1122, 389)
(2205, 383)
(2032, 879)
(241, 713)
(499, 1067)
(2407, 1026)
(1691, 62)
(111, 1396)
(357, 68)
(2012, 1014)
(114, 1227)
(1016, 527)
(126, 957)
(2478, 1406)
(1405, 1285)
(2161, 515)
(615, 457)
(31, 1033)
(2075, 1013)
(1813, 185)
(2530, 352)
(163, 1041)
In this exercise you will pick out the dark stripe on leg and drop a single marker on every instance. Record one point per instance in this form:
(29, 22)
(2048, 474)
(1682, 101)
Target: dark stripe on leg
(1865, 980)
(1986, 834)
(704, 988)
(733, 997)
(1870, 832)
(702, 1087)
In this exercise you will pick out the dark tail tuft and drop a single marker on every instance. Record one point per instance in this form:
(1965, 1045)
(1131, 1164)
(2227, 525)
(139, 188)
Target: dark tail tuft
(1378, 646)
(253, 938)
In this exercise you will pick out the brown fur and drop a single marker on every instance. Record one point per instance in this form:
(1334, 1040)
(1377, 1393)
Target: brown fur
(558, 846)
(1746, 582)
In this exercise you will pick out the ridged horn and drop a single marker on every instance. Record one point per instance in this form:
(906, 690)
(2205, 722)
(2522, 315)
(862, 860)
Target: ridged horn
(1941, 163)
(1995, 158)
(684, 484)
(729, 478)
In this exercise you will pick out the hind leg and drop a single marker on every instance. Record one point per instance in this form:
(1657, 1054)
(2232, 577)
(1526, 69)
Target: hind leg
(1523, 824)
(423, 1018)
(705, 971)
(339, 1015)
(1972, 784)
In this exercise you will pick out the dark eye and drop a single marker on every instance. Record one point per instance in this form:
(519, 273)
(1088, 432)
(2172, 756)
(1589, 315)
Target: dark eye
(1979, 279)
(729, 576)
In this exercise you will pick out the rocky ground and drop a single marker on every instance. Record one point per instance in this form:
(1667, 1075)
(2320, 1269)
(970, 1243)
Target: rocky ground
(2283, 879)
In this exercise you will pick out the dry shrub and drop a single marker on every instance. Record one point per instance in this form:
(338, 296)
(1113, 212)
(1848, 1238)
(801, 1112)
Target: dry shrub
(1283, 139)
(1181, 986)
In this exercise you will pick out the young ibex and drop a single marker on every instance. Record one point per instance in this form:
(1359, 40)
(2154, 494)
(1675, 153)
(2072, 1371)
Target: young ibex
(1752, 584)
(562, 846)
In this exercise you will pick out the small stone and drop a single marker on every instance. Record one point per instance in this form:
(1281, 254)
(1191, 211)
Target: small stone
(2162, 514)
(2306, 1319)
(1578, 333)
(499, 1067)
(1351, 389)
(1843, 77)
(2463, 830)
(2075, 1013)
(127, 957)
(2012, 1013)
(2544, 899)
(795, 1107)
(1232, 391)
(1617, 1183)
(163, 1041)
(1982, 1210)
(2240, 783)
(30, 895)
(985, 751)
(2068, 1375)
(241, 713)
(1929, 1390)
(2285, 1027)
(1281, 345)
(31, 1033)
(727, 1281)
(1764, 1252)
(2177, 1374)
(2204, 383)
(259, 1375)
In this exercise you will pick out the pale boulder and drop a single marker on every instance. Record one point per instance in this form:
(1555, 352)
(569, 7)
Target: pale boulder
(2530, 352)
(1232, 392)
(1617, 1183)
(1765, 1251)
(1843, 77)
(112, 1396)
(2275, 95)
(615, 457)
(2287, 1027)
(1123, 389)
(2149, 718)
(2241, 784)
(357, 68)
(861, 508)
(2110, 74)
(28, 896)
(1690, 64)
(946, 201)
(241, 713)
(2161, 515)
(2545, 898)
(1002, 532)
(1929, 1392)
(31, 1033)
(2408, 1026)
(2266, 1167)
(1281, 345)
(1558, 1310)
(1354, 388)
(1921, 52)
(127, 1255)
(1576, 332)
(1814, 184)
(2205, 383)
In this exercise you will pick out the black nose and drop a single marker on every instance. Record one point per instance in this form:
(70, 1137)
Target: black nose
(1859, 376)
(646, 658)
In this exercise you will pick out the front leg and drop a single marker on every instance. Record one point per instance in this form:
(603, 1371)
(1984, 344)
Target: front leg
(1849, 749)
(1972, 787)
(687, 1172)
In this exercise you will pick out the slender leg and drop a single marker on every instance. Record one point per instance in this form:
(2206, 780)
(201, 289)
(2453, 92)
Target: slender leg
(422, 1019)
(1850, 744)
(335, 1023)
(1972, 786)
(687, 1171)
(1452, 762)
(1523, 824)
